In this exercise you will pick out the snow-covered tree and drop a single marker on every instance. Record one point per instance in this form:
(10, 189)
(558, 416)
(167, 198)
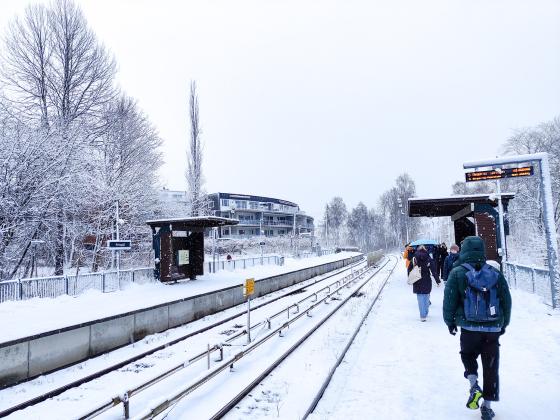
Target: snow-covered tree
(73, 145)
(336, 219)
(56, 73)
(197, 199)
(526, 242)
(360, 227)
(525, 214)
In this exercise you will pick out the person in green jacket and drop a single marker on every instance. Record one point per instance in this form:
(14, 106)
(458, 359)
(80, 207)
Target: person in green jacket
(477, 338)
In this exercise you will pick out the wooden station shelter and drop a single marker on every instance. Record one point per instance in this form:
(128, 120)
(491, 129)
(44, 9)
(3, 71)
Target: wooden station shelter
(472, 215)
(179, 245)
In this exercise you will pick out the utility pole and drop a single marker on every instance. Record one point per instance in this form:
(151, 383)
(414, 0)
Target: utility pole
(327, 225)
(215, 239)
(34, 243)
(503, 246)
(400, 203)
(118, 252)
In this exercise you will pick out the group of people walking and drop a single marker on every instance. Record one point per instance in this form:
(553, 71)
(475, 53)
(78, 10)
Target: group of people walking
(438, 255)
(476, 299)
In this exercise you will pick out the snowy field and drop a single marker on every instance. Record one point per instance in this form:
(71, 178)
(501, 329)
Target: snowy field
(400, 368)
(34, 316)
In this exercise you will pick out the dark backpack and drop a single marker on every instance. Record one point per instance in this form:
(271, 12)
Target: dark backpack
(481, 295)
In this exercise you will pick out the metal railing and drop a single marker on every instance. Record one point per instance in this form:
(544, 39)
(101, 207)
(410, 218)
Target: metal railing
(309, 254)
(107, 281)
(285, 223)
(530, 279)
(243, 263)
(51, 287)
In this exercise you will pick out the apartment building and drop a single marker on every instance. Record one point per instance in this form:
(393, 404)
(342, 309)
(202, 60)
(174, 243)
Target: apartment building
(260, 216)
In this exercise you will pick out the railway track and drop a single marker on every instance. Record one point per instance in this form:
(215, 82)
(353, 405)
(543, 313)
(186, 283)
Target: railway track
(208, 383)
(113, 367)
(271, 368)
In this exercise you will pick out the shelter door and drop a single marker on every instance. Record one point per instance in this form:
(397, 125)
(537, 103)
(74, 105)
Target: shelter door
(486, 229)
(463, 228)
(166, 256)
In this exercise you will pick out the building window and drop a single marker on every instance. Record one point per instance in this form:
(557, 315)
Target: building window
(241, 232)
(281, 232)
(241, 204)
(225, 232)
(225, 203)
(253, 205)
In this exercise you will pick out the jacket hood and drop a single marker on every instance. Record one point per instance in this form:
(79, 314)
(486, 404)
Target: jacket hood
(472, 251)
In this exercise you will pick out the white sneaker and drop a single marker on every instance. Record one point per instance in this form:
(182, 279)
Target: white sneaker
(423, 319)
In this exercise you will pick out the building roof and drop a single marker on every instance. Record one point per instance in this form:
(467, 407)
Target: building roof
(198, 221)
(254, 198)
(448, 206)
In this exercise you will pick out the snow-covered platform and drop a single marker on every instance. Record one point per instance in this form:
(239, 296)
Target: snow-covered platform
(40, 335)
(36, 316)
(401, 368)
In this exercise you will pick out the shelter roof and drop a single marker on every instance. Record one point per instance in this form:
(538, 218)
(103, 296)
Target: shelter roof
(198, 221)
(448, 206)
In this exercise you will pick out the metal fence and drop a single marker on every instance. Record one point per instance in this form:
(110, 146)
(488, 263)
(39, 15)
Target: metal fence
(243, 263)
(309, 254)
(107, 281)
(529, 278)
(51, 287)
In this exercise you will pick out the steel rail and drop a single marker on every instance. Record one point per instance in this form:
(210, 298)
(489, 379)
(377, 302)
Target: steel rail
(59, 390)
(341, 357)
(234, 401)
(150, 413)
(125, 398)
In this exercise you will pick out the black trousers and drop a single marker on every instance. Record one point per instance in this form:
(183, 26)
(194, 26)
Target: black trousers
(487, 346)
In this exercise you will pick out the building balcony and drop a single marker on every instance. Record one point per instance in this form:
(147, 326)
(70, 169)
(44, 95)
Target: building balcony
(248, 223)
(278, 223)
(257, 210)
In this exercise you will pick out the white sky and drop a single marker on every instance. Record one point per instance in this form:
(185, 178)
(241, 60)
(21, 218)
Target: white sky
(305, 100)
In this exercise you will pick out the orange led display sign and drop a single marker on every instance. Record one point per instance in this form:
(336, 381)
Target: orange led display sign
(498, 174)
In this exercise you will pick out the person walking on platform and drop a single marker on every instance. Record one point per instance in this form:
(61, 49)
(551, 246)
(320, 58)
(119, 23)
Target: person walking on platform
(442, 256)
(408, 254)
(449, 261)
(477, 299)
(423, 287)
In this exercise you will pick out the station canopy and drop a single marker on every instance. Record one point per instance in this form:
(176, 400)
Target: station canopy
(194, 222)
(448, 206)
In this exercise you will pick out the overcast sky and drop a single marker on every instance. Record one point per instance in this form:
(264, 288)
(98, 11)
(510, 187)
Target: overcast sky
(305, 100)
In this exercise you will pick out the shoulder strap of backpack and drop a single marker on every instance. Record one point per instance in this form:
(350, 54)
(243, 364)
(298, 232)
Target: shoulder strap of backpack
(468, 266)
(494, 272)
